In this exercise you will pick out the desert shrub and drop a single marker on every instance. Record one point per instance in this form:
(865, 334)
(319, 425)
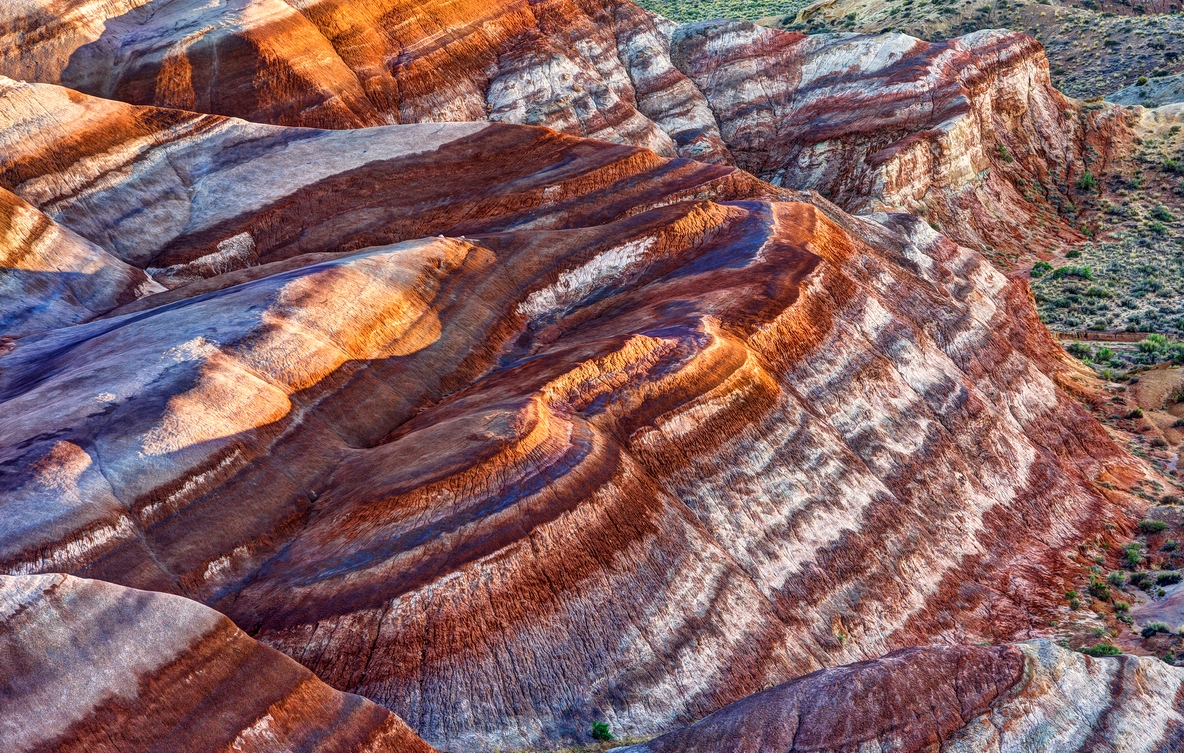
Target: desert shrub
(1136, 413)
(1098, 589)
(1161, 213)
(1117, 578)
(1101, 649)
(1152, 526)
(1104, 355)
(1121, 606)
(1078, 350)
(1142, 580)
(1087, 182)
(1159, 443)
(1040, 268)
(1074, 601)
(601, 731)
(1073, 253)
(1132, 556)
(1072, 270)
(1142, 81)
(1005, 153)
(1167, 578)
(1155, 627)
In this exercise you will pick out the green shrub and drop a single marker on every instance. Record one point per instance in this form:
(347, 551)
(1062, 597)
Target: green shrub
(1087, 182)
(1099, 590)
(601, 731)
(1121, 606)
(1101, 649)
(1132, 556)
(1040, 268)
(1117, 578)
(1073, 253)
(1155, 627)
(1161, 213)
(1142, 81)
(1071, 270)
(1170, 545)
(1078, 350)
(1005, 153)
(1167, 578)
(1152, 526)
(1136, 413)
(1142, 580)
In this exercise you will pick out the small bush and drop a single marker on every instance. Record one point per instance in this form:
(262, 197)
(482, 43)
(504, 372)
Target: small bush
(1087, 182)
(1073, 253)
(1078, 350)
(1141, 580)
(1005, 154)
(1072, 270)
(1155, 627)
(1152, 526)
(1142, 81)
(1167, 578)
(1170, 545)
(1121, 606)
(1132, 555)
(1099, 590)
(1101, 649)
(1136, 413)
(1118, 579)
(601, 731)
(1161, 213)
(1040, 268)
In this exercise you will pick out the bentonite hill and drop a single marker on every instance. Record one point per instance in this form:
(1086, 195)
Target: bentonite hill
(476, 375)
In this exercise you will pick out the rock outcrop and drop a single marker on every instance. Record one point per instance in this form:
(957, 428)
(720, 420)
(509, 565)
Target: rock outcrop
(970, 132)
(97, 668)
(999, 699)
(50, 277)
(623, 436)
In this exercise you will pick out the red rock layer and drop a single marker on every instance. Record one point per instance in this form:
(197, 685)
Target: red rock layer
(648, 438)
(997, 699)
(94, 667)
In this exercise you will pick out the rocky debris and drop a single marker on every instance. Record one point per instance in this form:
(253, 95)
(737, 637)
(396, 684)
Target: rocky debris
(1151, 92)
(650, 436)
(1019, 698)
(90, 666)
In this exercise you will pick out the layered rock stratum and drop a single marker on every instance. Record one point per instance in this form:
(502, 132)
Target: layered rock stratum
(94, 667)
(970, 132)
(508, 429)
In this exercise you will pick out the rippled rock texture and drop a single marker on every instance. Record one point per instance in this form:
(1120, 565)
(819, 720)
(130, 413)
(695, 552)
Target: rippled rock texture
(510, 431)
(1017, 698)
(970, 132)
(95, 667)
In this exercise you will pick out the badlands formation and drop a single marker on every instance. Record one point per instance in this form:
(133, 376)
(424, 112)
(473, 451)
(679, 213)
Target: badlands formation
(517, 366)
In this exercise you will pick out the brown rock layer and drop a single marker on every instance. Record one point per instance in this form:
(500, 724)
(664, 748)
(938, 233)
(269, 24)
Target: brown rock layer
(94, 667)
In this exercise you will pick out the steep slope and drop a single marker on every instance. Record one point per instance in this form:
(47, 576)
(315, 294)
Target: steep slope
(970, 131)
(50, 277)
(89, 666)
(1000, 699)
(649, 437)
